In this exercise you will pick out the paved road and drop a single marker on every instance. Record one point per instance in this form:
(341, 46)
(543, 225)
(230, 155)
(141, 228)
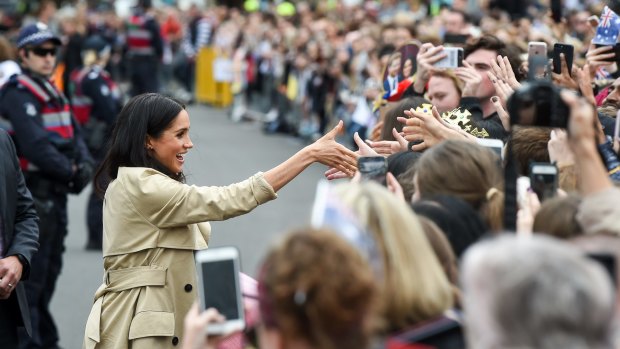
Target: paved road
(223, 153)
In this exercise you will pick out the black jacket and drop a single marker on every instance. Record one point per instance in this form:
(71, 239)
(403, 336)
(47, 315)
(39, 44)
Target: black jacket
(19, 218)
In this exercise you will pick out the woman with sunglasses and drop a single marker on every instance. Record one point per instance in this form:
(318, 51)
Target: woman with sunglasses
(55, 162)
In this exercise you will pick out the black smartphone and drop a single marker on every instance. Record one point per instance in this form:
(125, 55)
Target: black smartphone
(373, 168)
(568, 51)
(615, 50)
(556, 10)
(457, 39)
(544, 179)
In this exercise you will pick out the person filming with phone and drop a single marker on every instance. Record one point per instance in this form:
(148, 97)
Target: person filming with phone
(153, 221)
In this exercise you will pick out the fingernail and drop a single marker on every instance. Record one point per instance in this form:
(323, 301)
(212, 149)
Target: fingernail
(530, 190)
(494, 99)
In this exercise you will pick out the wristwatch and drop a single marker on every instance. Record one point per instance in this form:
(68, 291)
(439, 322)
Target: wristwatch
(23, 261)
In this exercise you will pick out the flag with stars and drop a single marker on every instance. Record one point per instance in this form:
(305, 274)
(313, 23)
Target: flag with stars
(608, 28)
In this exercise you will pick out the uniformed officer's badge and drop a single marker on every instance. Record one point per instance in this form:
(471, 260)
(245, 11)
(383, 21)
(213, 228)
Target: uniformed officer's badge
(30, 109)
(105, 90)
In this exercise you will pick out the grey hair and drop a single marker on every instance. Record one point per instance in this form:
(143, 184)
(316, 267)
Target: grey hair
(536, 293)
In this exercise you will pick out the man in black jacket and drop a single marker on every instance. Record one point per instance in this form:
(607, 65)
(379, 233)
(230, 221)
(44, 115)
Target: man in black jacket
(19, 234)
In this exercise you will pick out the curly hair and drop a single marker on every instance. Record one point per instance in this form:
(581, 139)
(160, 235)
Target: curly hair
(316, 287)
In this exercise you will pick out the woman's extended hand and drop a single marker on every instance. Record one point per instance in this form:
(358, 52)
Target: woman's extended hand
(333, 154)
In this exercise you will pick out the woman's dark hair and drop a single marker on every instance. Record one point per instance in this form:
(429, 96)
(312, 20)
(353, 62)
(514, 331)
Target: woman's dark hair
(460, 222)
(148, 114)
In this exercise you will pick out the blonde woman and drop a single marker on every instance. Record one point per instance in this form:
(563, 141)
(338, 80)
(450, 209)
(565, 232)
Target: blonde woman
(414, 288)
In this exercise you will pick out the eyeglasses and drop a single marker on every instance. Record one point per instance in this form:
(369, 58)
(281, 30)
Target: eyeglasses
(43, 52)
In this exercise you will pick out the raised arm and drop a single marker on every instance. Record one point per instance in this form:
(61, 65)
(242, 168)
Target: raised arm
(325, 151)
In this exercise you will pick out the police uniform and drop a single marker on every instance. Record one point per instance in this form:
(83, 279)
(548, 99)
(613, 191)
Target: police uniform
(54, 160)
(144, 50)
(96, 101)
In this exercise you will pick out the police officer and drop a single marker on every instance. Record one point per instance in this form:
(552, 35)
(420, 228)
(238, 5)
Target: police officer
(144, 49)
(55, 161)
(96, 101)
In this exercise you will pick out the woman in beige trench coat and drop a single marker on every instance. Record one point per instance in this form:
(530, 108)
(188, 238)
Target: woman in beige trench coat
(153, 222)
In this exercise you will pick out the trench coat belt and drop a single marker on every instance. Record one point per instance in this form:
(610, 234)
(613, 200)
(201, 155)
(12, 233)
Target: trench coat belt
(116, 281)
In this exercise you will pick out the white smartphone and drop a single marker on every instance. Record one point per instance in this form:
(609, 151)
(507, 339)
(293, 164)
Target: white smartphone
(544, 179)
(523, 184)
(494, 144)
(219, 287)
(537, 48)
(453, 59)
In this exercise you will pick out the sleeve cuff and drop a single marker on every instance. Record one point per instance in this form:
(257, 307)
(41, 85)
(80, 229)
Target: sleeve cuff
(262, 190)
(598, 213)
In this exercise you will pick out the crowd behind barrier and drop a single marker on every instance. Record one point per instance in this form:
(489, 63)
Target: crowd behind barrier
(514, 137)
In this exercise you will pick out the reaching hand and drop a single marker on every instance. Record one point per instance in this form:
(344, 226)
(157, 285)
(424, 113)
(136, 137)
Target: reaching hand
(564, 79)
(364, 150)
(427, 56)
(387, 148)
(504, 117)
(332, 154)
(585, 84)
(598, 57)
(470, 77)
(502, 88)
(581, 124)
(559, 150)
(426, 128)
(196, 324)
(394, 187)
(503, 71)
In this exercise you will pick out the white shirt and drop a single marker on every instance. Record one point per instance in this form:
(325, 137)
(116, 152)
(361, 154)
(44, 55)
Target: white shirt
(8, 69)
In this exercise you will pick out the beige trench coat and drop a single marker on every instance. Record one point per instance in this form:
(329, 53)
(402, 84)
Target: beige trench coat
(151, 226)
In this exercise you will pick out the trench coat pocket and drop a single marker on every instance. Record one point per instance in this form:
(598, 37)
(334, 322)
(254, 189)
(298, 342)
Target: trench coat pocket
(152, 324)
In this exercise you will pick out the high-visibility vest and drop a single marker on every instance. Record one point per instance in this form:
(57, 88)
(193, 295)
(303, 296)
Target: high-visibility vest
(55, 113)
(82, 104)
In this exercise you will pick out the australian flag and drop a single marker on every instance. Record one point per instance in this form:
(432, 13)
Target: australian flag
(608, 28)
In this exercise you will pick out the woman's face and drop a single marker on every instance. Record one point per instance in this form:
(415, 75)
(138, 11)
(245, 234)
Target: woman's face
(170, 148)
(407, 68)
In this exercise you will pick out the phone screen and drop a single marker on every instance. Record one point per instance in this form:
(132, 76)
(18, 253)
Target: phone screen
(373, 168)
(543, 180)
(220, 288)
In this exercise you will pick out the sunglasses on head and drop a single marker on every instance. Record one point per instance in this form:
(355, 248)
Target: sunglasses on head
(43, 52)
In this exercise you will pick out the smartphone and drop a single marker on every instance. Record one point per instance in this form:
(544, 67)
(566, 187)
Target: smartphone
(523, 184)
(615, 50)
(219, 287)
(453, 59)
(494, 144)
(457, 39)
(373, 168)
(537, 49)
(568, 51)
(544, 179)
(556, 10)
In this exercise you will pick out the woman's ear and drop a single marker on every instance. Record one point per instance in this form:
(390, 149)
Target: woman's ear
(148, 144)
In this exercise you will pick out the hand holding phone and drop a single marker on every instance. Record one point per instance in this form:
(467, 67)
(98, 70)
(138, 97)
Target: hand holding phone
(219, 287)
(544, 179)
(453, 59)
(568, 51)
(497, 145)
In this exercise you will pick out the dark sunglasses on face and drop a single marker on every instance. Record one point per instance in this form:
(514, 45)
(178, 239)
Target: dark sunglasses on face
(43, 52)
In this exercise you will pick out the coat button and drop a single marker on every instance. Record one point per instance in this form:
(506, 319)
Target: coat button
(175, 340)
(188, 288)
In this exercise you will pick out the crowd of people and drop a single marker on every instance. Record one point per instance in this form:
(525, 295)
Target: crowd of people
(459, 246)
